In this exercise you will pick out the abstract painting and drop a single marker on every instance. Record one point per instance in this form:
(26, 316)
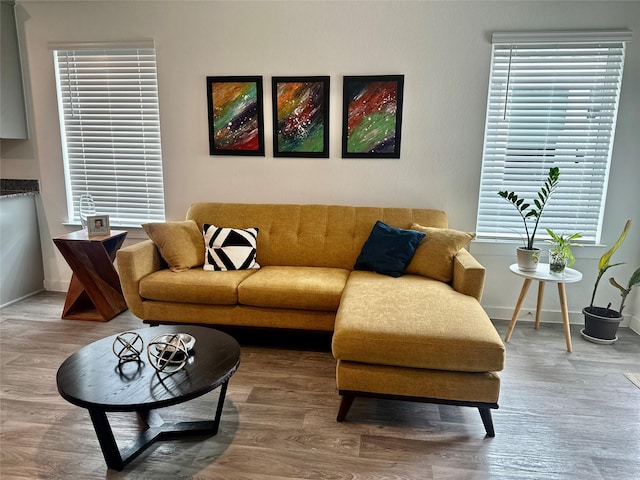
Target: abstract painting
(372, 116)
(300, 116)
(236, 120)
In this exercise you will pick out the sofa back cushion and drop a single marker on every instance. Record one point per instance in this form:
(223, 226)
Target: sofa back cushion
(310, 235)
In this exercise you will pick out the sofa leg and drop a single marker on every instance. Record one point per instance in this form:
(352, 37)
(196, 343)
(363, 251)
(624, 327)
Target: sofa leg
(345, 405)
(485, 414)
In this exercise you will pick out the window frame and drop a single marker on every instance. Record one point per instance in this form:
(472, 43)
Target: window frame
(108, 106)
(497, 219)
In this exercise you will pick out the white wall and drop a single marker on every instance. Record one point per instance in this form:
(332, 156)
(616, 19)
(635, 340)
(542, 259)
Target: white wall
(442, 48)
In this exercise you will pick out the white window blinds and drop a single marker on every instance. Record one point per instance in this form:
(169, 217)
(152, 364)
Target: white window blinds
(110, 126)
(553, 101)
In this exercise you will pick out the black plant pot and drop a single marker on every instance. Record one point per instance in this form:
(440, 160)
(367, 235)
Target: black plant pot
(601, 323)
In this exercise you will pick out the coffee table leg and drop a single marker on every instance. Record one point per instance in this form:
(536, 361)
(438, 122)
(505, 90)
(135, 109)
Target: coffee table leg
(106, 439)
(157, 429)
(223, 394)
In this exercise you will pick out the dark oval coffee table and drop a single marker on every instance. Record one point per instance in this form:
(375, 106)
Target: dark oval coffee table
(94, 379)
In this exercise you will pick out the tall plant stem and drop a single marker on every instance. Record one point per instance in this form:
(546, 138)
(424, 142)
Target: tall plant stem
(529, 243)
(595, 287)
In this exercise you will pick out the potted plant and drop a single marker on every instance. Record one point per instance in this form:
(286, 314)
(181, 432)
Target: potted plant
(528, 254)
(560, 255)
(601, 323)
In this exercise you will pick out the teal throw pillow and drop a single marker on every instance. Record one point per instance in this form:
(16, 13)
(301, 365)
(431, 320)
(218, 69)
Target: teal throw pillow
(388, 250)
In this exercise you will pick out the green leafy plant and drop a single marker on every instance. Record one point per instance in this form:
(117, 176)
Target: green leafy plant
(528, 210)
(605, 264)
(562, 244)
(633, 281)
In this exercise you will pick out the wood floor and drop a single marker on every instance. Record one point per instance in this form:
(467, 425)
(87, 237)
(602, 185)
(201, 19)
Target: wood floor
(562, 415)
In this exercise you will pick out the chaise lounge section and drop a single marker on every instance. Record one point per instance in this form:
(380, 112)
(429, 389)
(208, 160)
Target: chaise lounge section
(415, 339)
(419, 335)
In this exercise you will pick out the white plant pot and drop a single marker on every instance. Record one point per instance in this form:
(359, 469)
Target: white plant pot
(528, 259)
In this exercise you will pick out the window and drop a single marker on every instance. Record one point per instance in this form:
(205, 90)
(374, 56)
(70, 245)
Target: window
(553, 102)
(110, 129)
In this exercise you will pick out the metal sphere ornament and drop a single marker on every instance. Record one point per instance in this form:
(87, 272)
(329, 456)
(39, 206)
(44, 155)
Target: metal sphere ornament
(167, 353)
(128, 346)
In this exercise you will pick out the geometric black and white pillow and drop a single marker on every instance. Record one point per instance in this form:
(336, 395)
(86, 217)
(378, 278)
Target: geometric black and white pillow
(229, 248)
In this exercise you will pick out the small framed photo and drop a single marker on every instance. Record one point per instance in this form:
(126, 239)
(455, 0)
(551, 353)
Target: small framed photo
(98, 225)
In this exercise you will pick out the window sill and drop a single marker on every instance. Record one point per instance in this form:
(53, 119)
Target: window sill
(506, 248)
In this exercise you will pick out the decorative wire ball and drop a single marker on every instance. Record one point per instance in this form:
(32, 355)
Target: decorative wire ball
(167, 353)
(128, 346)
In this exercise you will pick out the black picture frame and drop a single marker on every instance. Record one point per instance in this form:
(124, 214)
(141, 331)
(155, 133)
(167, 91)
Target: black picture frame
(301, 116)
(236, 115)
(372, 116)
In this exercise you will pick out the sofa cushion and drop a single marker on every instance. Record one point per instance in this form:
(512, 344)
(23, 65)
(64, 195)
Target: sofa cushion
(230, 248)
(307, 288)
(179, 243)
(418, 382)
(194, 286)
(388, 250)
(434, 256)
(413, 321)
(310, 235)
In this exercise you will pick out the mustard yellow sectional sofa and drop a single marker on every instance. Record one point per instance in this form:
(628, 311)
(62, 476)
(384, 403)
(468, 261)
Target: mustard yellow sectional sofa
(415, 333)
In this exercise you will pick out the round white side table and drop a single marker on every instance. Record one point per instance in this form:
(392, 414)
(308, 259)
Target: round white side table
(543, 275)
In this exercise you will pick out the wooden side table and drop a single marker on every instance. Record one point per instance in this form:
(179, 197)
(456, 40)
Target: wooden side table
(95, 292)
(543, 275)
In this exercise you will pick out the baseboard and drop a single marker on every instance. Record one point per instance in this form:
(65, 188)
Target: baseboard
(56, 286)
(634, 324)
(546, 316)
(549, 316)
(21, 298)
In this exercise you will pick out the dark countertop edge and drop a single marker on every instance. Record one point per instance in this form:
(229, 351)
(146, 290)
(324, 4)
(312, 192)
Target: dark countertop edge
(11, 187)
(18, 194)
